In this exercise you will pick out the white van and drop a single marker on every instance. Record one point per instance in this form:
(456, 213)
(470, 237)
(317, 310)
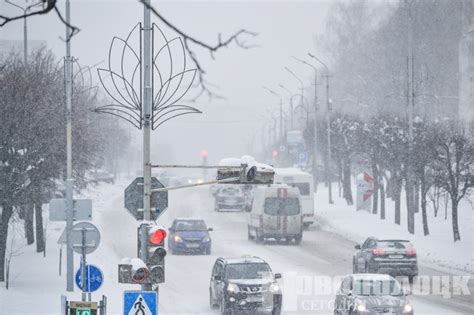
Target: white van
(304, 182)
(276, 213)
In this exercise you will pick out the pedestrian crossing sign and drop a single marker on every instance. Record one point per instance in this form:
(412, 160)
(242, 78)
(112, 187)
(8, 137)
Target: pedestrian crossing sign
(140, 303)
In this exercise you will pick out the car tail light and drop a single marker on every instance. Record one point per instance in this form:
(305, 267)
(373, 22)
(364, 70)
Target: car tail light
(377, 251)
(410, 252)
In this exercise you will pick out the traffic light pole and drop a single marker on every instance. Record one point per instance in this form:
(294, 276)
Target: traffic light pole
(144, 251)
(147, 107)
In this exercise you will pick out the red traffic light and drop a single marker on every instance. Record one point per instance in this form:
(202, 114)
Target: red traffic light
(157, 236)
(140, 275)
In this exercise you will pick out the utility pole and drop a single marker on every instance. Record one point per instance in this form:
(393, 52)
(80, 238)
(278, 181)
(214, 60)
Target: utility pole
(69, 180)
(328, 122)
(410, 103)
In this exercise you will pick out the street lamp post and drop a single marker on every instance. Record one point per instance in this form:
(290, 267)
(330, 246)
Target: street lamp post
(315, 125)
(281, 109)
(302, 86)
(25, 29)
(328, 121)
(291, 104)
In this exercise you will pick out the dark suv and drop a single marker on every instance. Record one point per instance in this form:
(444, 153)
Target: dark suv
(393, 257)
(244, 284)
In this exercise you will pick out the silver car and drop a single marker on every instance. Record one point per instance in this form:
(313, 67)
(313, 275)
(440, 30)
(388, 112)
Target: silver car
(371, 294)
(230, 198)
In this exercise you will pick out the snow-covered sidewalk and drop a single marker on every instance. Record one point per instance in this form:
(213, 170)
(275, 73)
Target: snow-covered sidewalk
(436, 250)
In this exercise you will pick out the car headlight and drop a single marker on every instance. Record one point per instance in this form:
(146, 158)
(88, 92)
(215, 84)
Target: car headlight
(274, 288)
(206, 239)
(232, 288)
(177, 239)
(190, 181)
(361, 308)
(407, 308)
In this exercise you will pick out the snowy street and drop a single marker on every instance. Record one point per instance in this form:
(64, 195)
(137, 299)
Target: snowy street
(236, 157)
(321, 253)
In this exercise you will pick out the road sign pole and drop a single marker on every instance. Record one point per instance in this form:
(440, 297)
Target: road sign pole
(147, 105)
(69, 192)
(83, 265)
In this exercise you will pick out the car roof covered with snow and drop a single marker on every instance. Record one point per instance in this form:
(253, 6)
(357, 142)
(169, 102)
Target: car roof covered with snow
(244, 260)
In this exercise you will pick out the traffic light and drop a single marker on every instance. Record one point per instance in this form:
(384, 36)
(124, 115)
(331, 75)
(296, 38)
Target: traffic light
(133, 270)
(156, 254)
(150, 270)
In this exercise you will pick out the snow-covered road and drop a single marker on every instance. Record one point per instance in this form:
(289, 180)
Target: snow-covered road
(322, 255)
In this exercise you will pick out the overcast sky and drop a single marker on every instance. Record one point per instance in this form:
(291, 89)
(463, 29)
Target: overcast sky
(285, 29)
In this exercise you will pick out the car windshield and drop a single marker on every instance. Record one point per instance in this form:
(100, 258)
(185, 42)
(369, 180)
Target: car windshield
(248, 271)
(281, 206)
(370, 287)
(191, 225)
(394, 244)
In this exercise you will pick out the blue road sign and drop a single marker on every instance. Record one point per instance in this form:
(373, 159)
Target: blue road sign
(303, 157)
(140, 303)
(94, 278)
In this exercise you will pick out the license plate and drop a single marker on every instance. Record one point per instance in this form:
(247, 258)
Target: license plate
(395, 256)
(192, 245)
(254, 298)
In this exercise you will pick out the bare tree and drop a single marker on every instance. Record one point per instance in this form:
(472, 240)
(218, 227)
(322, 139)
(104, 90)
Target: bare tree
(454, 167)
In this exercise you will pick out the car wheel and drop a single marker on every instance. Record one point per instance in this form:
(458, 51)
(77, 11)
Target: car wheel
(208, 251)
(211, 302)
(298, 239)
(224, 310)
